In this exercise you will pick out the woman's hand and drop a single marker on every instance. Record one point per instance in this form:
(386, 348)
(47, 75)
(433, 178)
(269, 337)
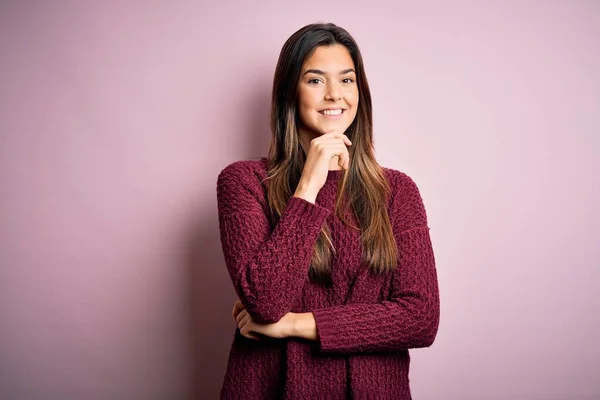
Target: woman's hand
(321, 150)
(248, 327)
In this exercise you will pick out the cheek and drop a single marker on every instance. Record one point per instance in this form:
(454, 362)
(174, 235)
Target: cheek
(353, 97)
(307, 104)
(354, 100)
(304, 109)
(309, 97)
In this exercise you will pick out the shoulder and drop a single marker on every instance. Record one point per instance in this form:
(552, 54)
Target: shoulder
(406, 205)
(399, 181)
(241, 186)
(243, 172)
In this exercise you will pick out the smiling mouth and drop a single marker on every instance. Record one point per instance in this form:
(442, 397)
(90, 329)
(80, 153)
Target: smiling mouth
(338, 111)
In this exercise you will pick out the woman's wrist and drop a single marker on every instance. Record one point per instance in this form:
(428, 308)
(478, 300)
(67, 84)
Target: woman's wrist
(305, 192)
(306, 195)
(302, 325)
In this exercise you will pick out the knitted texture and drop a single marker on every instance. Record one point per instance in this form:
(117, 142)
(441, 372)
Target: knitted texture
(365, 323)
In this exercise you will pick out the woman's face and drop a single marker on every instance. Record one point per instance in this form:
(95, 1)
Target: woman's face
(327, 92)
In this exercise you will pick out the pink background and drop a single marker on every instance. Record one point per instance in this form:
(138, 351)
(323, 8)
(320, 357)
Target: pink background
(116, 119)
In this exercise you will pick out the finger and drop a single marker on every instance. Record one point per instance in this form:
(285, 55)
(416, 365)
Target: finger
(240, 316)
(346, 159)
(251, 331)
(235, 313)
(335, 148)
(244, 321)
(247, 331)
(237, 307)
(250, 335)
(338, 135)
(342, 151)
(344, 163)
(341, 162)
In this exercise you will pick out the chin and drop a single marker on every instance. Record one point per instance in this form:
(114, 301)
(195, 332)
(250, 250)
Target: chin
(328, 126)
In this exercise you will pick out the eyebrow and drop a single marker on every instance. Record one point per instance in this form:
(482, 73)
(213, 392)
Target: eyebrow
(319, 72)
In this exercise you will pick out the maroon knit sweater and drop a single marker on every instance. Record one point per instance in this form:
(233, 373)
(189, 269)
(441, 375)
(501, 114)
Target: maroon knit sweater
(365, 323)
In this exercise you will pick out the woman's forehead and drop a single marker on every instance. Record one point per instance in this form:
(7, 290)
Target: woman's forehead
(333, 59)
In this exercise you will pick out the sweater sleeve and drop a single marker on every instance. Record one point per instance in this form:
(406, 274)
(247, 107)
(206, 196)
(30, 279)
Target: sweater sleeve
(268, 266)
(410, 318)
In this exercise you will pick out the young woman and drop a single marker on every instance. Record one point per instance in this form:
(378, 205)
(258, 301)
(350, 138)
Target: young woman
(329, 252)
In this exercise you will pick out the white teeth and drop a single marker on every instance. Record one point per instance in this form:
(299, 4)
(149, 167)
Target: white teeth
(332, 112)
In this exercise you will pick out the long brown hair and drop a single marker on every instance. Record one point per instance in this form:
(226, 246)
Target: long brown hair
(363, 188)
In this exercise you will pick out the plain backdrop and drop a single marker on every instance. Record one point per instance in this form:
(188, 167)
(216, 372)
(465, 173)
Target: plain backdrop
(116, 118)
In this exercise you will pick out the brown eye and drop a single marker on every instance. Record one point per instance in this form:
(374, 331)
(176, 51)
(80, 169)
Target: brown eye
(348, 80)
(313, 81)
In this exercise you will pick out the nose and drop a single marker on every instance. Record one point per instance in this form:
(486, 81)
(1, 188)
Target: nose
(333, 92)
